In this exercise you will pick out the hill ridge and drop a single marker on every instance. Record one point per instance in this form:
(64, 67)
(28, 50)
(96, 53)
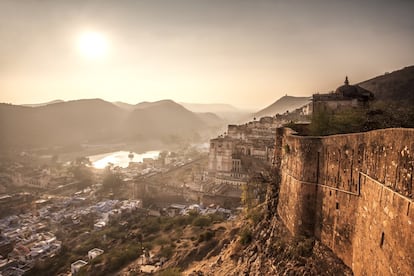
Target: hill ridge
(283, 104)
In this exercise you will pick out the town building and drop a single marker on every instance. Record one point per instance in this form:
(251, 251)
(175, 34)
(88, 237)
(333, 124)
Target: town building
(228, 152)
(93, 253)
(76, 266)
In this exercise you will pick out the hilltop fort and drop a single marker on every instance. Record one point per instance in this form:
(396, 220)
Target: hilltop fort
(348, 194)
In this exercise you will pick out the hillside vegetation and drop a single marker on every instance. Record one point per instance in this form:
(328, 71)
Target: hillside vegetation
(285, 103)
(397, 86)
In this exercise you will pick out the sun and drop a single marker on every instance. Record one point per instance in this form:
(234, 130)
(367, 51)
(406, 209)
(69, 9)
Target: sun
(93, 45)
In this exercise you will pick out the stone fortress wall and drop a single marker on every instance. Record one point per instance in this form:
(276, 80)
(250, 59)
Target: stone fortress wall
(354, 192)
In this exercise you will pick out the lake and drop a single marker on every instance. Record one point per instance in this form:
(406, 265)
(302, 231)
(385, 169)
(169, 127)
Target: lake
(120, 158)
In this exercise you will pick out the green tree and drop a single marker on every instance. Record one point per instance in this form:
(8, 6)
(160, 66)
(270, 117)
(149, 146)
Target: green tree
(348, 120)
(321, 123)
(54, 159)
(169, 272)
(245, 236)
(202, 221)
(81, 171)
(247, 196)
(378, 115)
(112, 180)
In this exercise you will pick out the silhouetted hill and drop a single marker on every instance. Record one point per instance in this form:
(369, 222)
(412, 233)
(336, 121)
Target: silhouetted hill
(173, 112)
(95, 120)
(43, 104)
(227, 112)
(286, 103)
(395, 86)
(125, 106)
(59, 124)
(211, 119)
(169, 104)
(214, 108)
(163, 118)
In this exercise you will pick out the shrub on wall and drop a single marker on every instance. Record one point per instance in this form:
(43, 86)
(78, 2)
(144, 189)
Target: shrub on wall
(286, 148)
(245, 236)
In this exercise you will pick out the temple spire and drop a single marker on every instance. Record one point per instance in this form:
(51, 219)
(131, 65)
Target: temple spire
(346, 80)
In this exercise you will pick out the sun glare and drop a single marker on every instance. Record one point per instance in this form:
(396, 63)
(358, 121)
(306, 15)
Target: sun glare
(92, 45)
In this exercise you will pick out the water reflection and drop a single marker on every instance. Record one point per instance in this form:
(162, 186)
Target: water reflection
(120, 158)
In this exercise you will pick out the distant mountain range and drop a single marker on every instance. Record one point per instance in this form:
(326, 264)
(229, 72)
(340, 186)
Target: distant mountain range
(95, 120)
(125, 106)
(286, 103)
(43, 104)
(227, 112)
(63, 123)
(215, 108)
(167, 117)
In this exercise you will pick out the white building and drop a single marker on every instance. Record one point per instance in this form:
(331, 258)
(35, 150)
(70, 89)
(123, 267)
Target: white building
(99, 225)
(76, 266)
(93, 253)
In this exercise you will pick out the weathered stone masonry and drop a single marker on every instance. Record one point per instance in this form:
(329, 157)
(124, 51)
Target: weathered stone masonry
(354, 192)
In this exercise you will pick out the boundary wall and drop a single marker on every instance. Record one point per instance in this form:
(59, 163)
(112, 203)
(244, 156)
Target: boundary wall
(354, 193)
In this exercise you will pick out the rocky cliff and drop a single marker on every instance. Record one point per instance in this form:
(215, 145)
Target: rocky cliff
(264, 246)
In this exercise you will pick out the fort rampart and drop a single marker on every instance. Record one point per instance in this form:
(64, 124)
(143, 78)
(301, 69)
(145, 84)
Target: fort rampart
(353, 192)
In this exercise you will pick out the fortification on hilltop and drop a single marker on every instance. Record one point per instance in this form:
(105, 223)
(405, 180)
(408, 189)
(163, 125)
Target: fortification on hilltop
(354, 193)
(345, 96)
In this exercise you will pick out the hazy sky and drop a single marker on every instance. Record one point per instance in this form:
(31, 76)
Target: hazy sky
(247, 53)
